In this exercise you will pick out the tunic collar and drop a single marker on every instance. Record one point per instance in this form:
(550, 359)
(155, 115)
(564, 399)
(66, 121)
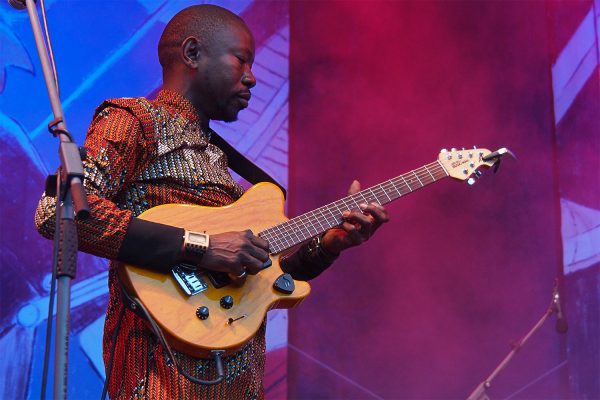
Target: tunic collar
(177, 103)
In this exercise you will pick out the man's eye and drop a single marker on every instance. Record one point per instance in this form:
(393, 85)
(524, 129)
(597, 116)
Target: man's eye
(241, 59)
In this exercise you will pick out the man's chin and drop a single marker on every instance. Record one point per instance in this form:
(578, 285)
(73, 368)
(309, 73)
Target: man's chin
(230, 118)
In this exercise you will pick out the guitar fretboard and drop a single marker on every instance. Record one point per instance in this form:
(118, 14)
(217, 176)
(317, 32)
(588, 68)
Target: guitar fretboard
(303, 227)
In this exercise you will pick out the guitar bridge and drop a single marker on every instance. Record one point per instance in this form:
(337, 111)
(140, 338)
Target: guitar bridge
(189, 280)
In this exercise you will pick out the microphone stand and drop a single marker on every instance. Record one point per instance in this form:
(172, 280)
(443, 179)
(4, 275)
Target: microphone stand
(71, 200)
(480, 392)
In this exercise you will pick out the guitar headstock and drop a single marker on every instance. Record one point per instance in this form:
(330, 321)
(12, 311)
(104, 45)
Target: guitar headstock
(464, 164)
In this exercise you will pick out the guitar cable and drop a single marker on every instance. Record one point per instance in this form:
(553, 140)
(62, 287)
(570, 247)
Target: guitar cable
(51, 295)
(112, 353)
(135, 306)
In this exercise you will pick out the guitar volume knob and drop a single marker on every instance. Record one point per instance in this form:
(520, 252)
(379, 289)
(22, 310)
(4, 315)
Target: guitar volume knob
(226, 302)
(202, 312)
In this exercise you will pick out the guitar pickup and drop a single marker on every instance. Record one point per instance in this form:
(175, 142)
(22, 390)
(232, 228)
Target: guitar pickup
(189, 280)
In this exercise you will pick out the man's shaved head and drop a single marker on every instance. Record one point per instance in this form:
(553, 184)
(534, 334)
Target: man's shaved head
(207, 54)
(201, 21)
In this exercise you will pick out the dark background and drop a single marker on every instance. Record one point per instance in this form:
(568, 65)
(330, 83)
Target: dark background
(429, 307)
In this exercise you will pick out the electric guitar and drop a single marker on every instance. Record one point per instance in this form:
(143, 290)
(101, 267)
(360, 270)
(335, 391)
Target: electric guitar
(200, 312)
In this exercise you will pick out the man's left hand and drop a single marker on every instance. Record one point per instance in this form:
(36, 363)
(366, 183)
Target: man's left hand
(358, 225)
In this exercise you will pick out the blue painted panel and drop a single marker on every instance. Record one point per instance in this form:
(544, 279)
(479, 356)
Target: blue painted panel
(103, 49)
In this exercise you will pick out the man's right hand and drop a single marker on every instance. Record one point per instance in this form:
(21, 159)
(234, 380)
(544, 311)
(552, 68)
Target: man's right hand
(235, 253)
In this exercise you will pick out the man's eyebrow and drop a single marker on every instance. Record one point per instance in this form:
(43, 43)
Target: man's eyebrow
(243, 50)
(247, 52)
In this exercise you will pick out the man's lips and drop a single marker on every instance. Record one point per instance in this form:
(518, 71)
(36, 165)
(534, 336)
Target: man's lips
(244, 95)
(244, 98)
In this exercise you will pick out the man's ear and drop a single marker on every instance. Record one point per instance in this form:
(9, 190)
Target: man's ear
(190, 51)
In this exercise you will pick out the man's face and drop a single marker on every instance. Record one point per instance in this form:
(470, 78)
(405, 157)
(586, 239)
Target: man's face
(224, 78)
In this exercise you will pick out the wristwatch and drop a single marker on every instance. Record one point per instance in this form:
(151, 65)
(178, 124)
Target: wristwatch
(315, 247)
(195, 245)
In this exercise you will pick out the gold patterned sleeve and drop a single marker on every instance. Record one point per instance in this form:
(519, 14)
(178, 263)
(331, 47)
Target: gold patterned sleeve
(115, 148)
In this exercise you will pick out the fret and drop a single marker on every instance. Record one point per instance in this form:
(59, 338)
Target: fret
(321, 218)
(393, 183)
(303, 224)
(400, 194)
(332, 220)
(442, 168)
(427, 169)
(406, 183)
(319, 222)
(377, 199)
(284, 241)
(356, 204)
(318, 216)
(346, 208)
(334, 206)
(423, 178)
(306, 225)
(268, 235)
(294, 228)
(336, 220)
(311, 225)
(280, 235)
(285, 237)
(361, 193)
(416, 176)
(269, 238)
(385, 192)
(302, 229)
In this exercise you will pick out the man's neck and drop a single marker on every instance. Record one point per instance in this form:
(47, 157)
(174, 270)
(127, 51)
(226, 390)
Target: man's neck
(185, 91)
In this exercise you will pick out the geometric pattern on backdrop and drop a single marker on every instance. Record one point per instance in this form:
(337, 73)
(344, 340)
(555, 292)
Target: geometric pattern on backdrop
(97, 61)
(576, 93)
(573, 69)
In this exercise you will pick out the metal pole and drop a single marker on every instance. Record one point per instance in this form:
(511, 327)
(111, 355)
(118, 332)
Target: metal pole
(71, 197)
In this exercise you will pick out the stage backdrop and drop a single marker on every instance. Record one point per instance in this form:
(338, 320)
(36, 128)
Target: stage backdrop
(433, 303)
(104, 49)
(430, 306)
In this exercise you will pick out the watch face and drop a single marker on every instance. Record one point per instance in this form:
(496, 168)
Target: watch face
(198, 238)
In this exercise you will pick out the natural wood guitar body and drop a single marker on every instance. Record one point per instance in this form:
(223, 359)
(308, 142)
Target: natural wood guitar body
(261, 210)
(175, 312)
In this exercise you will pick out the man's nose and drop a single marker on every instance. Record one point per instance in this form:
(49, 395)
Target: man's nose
(248, 79)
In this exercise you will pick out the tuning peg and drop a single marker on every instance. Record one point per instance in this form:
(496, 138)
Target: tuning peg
(444, 151)
(471, 181)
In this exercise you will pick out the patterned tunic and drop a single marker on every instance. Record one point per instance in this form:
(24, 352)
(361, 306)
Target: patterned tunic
(142, 154)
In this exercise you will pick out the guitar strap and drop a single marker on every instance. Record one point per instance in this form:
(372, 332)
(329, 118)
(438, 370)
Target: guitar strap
(243, 166)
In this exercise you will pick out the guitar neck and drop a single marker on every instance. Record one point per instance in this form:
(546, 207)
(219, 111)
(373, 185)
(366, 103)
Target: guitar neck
(303, 227)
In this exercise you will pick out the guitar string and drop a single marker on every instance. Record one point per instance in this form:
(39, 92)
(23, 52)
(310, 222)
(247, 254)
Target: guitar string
(297, 224)
(293, 225)
(277, 236)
